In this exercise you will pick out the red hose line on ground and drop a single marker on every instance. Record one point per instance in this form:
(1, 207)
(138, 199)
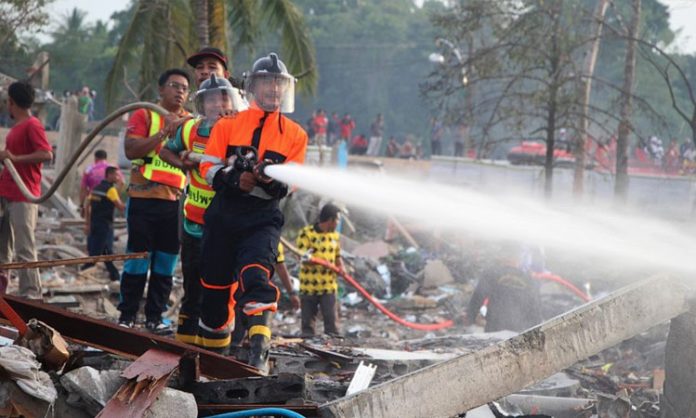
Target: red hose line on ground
(375, 302)
(563, 282)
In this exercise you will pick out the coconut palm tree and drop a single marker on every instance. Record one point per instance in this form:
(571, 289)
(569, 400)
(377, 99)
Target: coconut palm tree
(162, 33)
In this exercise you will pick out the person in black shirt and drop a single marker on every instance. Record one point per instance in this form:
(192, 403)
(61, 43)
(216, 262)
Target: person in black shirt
(514, 298)
(99, 219)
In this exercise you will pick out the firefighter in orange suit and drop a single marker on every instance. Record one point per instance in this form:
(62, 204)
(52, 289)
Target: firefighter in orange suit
(243, 222)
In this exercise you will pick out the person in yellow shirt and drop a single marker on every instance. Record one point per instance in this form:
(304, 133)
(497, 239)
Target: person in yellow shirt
(318, 285)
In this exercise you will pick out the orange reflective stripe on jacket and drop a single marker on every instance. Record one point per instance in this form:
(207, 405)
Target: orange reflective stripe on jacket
(282, 140)
(200, 194)
(155, 169)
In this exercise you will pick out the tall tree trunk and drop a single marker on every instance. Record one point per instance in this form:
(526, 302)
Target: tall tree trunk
(200, 10)
(621, 183)
(552, 105)
(590, 61)
(217, 21)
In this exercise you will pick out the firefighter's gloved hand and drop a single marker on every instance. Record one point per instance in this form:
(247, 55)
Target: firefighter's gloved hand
(226, 179)
(276, 189)
(247, 182)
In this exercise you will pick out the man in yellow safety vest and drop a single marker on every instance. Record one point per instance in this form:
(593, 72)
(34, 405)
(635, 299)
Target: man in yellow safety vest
(153, 209)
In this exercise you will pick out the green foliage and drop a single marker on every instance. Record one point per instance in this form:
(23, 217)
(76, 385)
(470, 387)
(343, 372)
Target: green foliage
(17, 16)
(17, 19)
(159, 36)
(371, 56)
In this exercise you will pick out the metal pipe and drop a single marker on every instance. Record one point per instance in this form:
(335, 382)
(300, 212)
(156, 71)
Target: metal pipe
(72, 261)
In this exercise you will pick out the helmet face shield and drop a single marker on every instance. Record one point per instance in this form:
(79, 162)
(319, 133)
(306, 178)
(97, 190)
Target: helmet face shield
(211, 103)
(273, 91)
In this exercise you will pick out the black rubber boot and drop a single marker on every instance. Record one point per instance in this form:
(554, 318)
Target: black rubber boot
(215, 341)
(260, 340)
(187, 329)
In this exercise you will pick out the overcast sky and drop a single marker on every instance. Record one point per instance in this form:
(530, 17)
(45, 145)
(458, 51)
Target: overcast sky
(682, 12)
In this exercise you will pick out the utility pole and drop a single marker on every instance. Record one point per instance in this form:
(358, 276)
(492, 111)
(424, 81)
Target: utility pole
(621, 181)
(588, 72)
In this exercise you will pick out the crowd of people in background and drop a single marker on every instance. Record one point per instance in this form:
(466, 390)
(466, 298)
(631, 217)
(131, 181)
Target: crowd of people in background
(676, 159)
(332, 130)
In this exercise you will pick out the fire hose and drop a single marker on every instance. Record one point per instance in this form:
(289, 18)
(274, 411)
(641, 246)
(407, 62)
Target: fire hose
(9, 166)
(563, 282)
(348, 278)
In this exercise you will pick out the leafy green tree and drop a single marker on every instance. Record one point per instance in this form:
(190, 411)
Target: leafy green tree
(162, 33)
(21, 16)
(372, 57)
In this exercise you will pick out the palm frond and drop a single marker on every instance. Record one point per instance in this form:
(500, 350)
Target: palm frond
(159, 36)
(127, 51)
(217, 24)
(296, 43)
(244, 22)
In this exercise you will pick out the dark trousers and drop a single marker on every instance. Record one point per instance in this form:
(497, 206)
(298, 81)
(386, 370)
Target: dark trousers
(152, 227)
(238, 266)
(191, 303)
(100, 241)
(311, 304)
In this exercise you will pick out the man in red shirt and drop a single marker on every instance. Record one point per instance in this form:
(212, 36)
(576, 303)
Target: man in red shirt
(26, 146)
(320, 123)
(347, 125)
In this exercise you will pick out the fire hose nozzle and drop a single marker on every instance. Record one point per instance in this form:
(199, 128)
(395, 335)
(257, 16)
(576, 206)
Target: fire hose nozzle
(261, 170)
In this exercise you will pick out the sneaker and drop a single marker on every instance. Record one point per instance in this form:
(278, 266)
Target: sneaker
(125, 324)
(158, 327)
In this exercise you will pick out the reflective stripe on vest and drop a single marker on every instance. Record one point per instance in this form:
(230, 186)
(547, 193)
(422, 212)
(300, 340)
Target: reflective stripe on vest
(200, 194)
(153, 167)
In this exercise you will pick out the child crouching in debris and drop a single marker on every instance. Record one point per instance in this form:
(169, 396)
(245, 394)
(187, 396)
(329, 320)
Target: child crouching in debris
(514, 301)
(318, 285)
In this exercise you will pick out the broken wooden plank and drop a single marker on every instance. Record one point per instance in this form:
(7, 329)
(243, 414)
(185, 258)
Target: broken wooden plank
(458, 385)
(126, 342)
(72, 261)
(326, 354)
(147, 377)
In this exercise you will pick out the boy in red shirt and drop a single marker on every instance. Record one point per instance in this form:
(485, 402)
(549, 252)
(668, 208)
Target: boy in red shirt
(26, 146)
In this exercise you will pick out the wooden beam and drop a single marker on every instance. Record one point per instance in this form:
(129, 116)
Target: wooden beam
(126, 342)
(471, 380)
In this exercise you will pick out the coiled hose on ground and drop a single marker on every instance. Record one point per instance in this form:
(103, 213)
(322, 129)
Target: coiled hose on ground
(261, 412)
(9, 166)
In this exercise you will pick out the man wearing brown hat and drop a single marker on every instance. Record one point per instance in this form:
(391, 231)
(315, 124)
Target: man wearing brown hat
(208, 61)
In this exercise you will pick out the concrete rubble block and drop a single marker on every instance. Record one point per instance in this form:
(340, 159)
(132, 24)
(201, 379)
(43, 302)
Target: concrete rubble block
(680, 368)
(173, 403)
(254, 390)
(15, 402)
(436, 273)
(91, 388)
(304, 364)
